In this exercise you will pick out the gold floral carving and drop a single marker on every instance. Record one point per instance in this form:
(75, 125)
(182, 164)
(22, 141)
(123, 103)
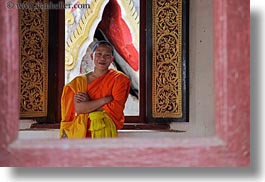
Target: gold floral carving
(167, 51)
(33, 61)
(81, 33)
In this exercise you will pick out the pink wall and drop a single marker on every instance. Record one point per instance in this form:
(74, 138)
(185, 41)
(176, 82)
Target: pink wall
(9, 75)
(229, 147)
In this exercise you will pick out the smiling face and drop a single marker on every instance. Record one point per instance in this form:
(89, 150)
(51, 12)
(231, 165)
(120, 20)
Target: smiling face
(102, 57)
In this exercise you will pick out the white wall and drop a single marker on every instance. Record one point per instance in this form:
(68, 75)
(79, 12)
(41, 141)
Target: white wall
(201, 117)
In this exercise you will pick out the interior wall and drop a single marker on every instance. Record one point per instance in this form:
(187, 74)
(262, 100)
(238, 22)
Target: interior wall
(201, 96)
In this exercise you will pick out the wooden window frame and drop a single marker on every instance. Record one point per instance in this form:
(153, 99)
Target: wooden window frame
(230, 146)
(145, 100)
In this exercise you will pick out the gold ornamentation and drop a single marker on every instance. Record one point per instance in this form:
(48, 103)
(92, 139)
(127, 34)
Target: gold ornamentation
(69, 17)
(33, 61)
(82, 33)
(167, 51)
(85, 31)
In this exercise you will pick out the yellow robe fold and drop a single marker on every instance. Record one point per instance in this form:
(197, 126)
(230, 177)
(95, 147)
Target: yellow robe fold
(73, 126)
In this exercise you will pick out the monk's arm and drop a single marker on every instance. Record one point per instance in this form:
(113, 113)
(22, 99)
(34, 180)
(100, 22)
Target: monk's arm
(87, 106)
(120, 94)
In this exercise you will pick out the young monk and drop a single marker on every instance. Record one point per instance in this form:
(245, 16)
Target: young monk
(92, 105)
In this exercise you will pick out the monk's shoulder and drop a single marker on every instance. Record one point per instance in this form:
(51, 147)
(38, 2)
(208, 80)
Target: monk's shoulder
(118, 75)
(77, 79)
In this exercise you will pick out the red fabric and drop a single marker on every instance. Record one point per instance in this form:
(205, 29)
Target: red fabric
(119, 34)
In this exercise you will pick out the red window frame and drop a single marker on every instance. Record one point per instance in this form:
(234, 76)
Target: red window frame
(230, 146)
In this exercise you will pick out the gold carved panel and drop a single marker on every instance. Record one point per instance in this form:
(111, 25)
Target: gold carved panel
(33, 61)
(166, 59)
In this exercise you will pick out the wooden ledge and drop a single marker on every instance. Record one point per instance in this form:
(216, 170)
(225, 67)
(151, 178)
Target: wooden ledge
(127, 126)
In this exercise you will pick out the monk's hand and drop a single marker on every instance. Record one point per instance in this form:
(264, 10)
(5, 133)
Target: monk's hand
(81, 97)
(108, 99)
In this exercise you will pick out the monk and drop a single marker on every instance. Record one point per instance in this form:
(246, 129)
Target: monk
(92, 105)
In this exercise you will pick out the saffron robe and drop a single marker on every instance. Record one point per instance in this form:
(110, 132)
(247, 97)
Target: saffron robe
(113, 83)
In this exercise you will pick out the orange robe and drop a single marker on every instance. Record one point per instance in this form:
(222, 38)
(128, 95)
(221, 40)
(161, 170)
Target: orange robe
(114, 84)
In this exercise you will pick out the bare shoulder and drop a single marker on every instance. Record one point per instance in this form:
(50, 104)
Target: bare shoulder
(89, 77)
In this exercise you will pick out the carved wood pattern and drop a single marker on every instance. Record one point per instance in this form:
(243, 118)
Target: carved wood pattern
(33, 61)
(166, 62)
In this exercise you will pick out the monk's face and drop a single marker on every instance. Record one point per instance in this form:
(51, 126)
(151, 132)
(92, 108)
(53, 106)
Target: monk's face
(103, 57)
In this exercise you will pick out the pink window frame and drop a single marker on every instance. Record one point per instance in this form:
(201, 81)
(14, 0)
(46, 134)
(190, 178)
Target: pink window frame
(230, 146)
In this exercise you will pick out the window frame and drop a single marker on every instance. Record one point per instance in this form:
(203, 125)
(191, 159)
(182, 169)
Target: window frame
(230, 146)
